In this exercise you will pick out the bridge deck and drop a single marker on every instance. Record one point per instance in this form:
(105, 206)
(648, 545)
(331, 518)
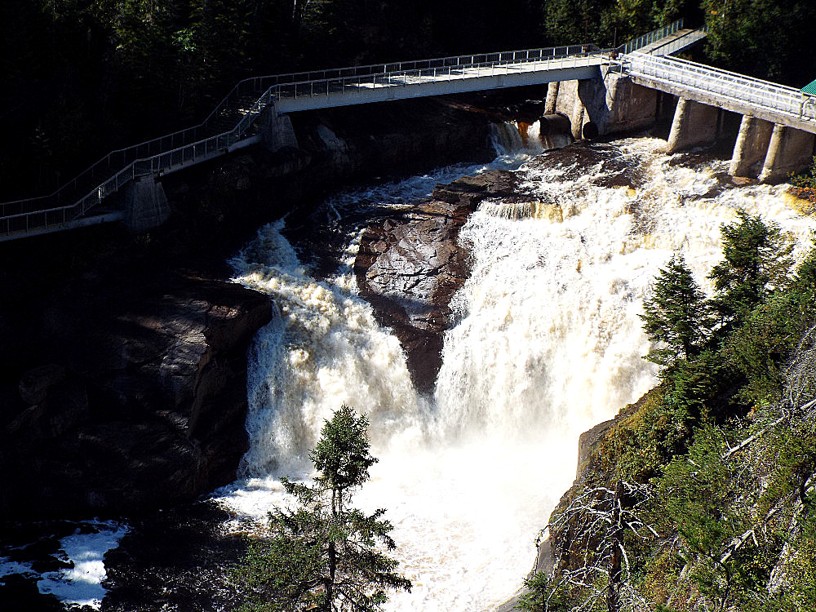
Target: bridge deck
(230, 125)
(731, 91)
(442, 80)
(674, 42)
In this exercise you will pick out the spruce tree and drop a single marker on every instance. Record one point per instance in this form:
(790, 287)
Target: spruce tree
(757, 261)
(677, 315)
(326, 555)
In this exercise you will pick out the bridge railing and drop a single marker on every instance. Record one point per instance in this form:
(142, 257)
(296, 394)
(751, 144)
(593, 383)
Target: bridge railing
(730, 86)
(457, 68)
(518, 56)
(88, 189)
(119, 159)
(651, 37)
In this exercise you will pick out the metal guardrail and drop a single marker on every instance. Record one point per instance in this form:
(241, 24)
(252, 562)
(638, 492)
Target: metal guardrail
(651, 37)
(446, 69)
(728, 87)
(673, 44)
(193, 144)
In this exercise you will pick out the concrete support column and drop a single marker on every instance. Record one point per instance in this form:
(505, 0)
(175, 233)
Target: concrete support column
(751, 147)
(277, 131)
(145, 204)
(577, 119)
(694, 125)
(569, 103)
(552, 98)
(790, 150)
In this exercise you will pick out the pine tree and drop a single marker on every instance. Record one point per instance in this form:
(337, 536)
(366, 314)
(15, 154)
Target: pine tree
(677, 316)
(325, 555)
(757, 260)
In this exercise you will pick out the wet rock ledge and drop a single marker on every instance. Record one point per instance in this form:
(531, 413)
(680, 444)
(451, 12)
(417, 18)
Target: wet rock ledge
(409, 266)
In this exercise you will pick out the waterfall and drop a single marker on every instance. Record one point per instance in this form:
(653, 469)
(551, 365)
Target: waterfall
(517, 136)
(547, 342)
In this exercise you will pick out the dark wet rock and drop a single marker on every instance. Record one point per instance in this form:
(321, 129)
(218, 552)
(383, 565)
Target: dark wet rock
(175, 560)
(19, 592)
(582, 159)
(408, 267)
(468, 191)
(142, 402)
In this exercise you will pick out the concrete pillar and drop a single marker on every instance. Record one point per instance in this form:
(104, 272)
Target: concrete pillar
(694, 125)
(626, 106)
(790, 150)
(277, 130)
(577, 119)
(552, 98)
(569, 103)
(751, 147)
(145, 204)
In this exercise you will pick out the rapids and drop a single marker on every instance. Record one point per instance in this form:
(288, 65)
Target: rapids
(547, 343)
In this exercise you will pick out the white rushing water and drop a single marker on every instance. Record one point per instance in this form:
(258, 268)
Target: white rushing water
(79, 583)
(547, 343)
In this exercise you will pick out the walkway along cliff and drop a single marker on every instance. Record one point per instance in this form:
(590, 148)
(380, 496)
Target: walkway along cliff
(258, 110)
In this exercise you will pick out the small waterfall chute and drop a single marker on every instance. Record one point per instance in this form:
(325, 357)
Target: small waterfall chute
(551, 131)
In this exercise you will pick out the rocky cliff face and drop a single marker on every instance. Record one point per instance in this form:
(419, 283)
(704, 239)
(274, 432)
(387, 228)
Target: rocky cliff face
(408, 267)
(141, 401)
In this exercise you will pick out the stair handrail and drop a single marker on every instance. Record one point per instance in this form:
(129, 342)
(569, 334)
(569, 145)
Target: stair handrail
(650, 37)
(130, 169)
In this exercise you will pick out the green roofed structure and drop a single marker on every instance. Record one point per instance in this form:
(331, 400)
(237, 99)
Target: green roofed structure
(810, 88)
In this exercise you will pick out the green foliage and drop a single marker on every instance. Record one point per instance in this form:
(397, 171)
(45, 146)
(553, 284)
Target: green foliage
(697, 488)
(756, 262)
(677, 314)
(540, 595)
(325, 555)
(760, 347)
(342, 454)
(806, 179)
(763, 38)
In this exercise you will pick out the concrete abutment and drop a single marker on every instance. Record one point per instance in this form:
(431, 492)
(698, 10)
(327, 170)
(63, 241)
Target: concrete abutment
(277, 130)
(608, 104)
(789, 150)
(145, 204)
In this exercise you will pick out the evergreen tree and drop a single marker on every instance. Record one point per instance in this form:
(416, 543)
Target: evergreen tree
(677, 315)
(762, 37)
(325, 555)
(757, 260)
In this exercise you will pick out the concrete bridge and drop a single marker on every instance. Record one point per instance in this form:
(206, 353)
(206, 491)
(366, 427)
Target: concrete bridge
(778, 123)
(257, 111)
(601, 91)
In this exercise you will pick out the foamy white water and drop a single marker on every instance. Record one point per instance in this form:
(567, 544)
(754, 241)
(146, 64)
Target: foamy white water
(85, 549)
(547, 343)
(81, 584)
